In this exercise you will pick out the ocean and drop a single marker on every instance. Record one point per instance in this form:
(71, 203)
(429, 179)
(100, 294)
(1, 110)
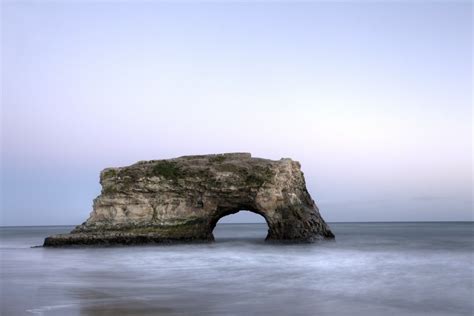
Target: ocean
(370, 269)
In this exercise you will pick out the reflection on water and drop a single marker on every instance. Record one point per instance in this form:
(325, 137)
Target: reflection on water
(371, 269)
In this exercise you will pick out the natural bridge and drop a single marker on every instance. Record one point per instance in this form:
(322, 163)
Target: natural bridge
(182, 199)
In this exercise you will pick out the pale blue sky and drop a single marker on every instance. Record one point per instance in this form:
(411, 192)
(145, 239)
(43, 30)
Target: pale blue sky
(373, 98)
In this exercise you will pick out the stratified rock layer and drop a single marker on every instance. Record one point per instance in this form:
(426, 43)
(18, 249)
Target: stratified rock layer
(182, 199)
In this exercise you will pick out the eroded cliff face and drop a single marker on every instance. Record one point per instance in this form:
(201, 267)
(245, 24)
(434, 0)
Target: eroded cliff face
(182, 199)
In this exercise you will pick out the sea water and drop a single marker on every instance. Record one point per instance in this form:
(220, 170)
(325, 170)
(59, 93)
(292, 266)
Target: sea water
(370, 269)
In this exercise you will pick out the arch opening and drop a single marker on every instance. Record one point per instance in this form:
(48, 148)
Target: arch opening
(240, 225)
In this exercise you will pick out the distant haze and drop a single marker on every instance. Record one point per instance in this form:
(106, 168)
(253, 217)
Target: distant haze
(373, 98)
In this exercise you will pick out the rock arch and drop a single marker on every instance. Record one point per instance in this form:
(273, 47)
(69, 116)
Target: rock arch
(182, 199)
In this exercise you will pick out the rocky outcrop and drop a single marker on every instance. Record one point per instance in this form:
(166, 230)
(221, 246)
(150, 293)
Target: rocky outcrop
(182, 199)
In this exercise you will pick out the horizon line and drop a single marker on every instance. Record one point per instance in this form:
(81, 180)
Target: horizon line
(342, 222)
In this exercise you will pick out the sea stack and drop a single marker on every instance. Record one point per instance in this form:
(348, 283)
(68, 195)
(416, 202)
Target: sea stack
(182, 199)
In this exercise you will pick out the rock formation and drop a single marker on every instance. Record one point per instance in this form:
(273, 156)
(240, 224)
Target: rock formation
(182, 199)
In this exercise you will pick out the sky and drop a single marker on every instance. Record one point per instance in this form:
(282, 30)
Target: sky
(374, 99)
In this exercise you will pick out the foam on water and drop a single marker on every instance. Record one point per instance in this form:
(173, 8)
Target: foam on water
(371, 269)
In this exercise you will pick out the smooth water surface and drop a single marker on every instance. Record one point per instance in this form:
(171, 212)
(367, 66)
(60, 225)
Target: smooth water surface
(371, 269)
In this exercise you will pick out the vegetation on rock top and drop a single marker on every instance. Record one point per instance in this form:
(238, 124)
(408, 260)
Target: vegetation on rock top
(167, 169)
